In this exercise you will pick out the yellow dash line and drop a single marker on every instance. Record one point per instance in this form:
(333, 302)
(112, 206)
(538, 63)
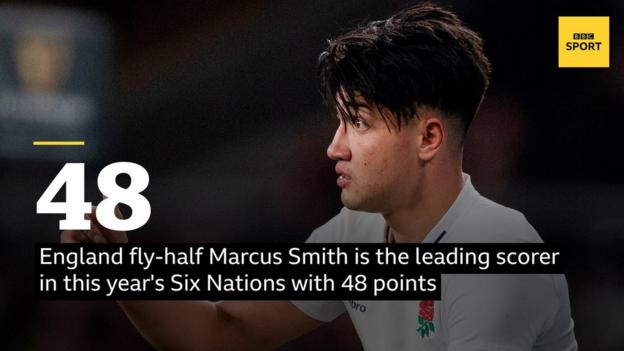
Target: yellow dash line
(58, 143)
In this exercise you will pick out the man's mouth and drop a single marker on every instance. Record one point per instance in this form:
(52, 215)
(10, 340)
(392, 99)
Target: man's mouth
(343, 181)
(343, 178)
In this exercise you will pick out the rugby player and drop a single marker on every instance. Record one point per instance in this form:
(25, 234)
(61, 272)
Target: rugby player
(405, 91)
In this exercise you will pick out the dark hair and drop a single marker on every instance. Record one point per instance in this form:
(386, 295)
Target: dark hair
(421, 56)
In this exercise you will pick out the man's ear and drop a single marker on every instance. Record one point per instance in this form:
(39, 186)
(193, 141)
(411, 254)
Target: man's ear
(432, 134)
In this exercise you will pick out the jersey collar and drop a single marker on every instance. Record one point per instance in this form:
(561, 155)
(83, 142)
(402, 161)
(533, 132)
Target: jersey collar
(439, 232)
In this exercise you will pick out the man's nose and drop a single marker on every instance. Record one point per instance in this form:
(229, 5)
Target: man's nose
(339, 150)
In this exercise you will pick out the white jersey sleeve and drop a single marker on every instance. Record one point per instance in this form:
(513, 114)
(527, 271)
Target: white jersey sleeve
(506, 312)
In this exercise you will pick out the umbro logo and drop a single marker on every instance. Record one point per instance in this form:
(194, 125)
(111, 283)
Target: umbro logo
(357, 306)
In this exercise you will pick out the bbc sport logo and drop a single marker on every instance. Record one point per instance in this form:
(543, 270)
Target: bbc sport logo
(584, 41)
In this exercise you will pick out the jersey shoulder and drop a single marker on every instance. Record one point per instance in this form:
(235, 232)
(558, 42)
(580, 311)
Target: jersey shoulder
(486, 221)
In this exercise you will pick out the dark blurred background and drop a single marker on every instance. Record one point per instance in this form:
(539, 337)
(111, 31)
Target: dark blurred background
(219, 101)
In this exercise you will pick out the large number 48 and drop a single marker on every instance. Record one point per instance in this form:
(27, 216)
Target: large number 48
(75, 208)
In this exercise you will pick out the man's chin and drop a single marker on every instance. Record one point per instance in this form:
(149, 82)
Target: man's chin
(353, 203)
(348, 201)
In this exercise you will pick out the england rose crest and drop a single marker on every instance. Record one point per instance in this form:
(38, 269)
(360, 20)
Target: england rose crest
(425, 318)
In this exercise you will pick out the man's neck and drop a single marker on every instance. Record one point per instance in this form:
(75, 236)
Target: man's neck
(411, 224)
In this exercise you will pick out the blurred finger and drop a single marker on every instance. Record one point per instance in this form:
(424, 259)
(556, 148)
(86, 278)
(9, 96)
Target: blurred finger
(74, 236)
(117, 210)
(118, 213)
(99, 227)
(106, 234)
(98, 238)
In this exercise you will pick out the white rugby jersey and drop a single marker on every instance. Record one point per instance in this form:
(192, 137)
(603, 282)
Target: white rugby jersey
(476, 311)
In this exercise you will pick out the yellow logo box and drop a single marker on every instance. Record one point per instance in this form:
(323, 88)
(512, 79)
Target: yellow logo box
(584, 41)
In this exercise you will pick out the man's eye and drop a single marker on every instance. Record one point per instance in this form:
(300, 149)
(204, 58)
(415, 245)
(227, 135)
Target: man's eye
(359, 123)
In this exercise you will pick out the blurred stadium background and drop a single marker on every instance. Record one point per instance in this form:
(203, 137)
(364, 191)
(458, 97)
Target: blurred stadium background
(218, 100)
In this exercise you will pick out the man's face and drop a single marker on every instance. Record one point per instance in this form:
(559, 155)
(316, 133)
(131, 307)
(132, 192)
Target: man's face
(377, 164)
